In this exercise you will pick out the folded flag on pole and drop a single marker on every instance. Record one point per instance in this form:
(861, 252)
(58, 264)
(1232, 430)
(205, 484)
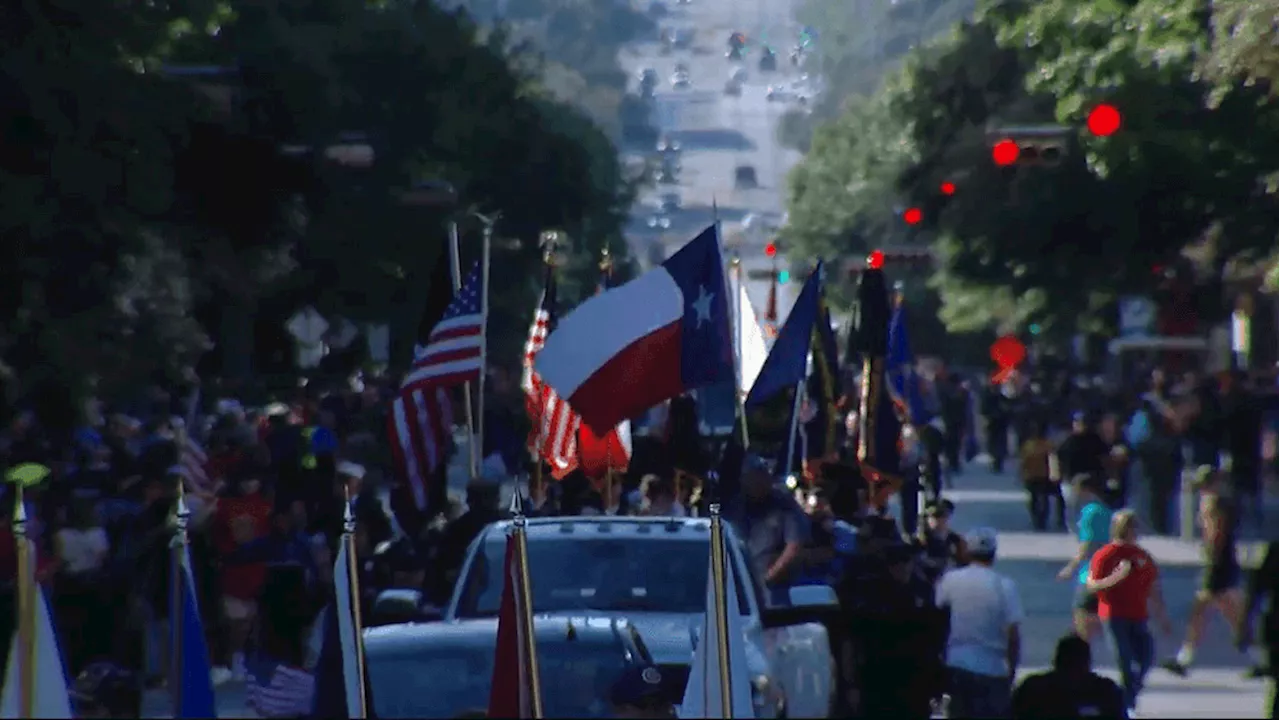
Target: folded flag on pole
(194, 686)
(337, 671)
(904, 383)
(554, 425)
(50, 698)
(702, 697)
(662, 334)
(511, 686)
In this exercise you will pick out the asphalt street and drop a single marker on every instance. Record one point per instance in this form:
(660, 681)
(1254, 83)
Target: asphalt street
(719, 133)
(1215, 687)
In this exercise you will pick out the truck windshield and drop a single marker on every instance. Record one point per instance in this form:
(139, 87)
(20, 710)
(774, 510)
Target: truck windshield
(602, 574)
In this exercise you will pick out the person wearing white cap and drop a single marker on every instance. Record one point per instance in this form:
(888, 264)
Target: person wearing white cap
(984, 644)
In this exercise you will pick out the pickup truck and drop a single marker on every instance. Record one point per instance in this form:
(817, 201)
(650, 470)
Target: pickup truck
(652, 571)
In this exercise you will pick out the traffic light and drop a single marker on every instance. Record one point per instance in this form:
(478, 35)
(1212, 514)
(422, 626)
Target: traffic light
(948, 188)
(1028, 145)
(913, 216)
(896, 259)
(875, 260)
(784, 276)
(770, 250)
(1104, 120)
(1034, 328)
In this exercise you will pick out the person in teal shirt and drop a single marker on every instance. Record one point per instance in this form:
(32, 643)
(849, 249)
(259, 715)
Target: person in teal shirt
(1094, 531)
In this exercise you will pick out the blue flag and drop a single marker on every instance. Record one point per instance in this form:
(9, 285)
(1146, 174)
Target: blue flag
(822, 431)
(900, 362)
(788, 359)
(192, 687)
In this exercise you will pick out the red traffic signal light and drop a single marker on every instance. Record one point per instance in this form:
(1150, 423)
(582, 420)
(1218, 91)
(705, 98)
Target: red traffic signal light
(770, 250)
(948, 188)
(913, 216)
(1005, 152)
(1104, 120)
(875, 260)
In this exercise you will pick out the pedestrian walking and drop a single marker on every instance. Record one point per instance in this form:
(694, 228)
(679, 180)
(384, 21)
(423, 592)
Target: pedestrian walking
(984, 643)
(1220, 583)
(1263, 590)
(1125, 579)
(1093, 528)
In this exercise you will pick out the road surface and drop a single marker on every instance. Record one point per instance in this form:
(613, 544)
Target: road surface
(1215, 687)
(719, 133)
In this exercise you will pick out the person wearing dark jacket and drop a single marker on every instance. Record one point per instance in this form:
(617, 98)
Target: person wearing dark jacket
(1070, 690)
(1262, 591)
(482, 509)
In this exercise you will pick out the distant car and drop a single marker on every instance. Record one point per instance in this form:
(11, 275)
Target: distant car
(442, 670)
(744, 177)
(668, 144)
(680, 81)
(669, 202)
(768, 61)
(659, 222)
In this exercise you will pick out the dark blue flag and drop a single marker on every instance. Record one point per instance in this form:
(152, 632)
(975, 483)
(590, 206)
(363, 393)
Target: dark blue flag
(900, 363)
(787, 363)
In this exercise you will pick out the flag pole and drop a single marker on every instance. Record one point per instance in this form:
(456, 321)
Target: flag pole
(26, 656)
(606, 269)
(535, 488)
(177, 564)
(353, 582)
(486, 250)
(526, 604)
(721, 609)
(455, 260)
(741, 393)
(794, 427)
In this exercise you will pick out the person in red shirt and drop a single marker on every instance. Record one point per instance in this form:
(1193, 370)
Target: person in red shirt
(241, 518)
(1125, 579)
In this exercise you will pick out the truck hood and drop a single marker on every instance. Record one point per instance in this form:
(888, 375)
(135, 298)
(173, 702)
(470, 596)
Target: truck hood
(672, 637)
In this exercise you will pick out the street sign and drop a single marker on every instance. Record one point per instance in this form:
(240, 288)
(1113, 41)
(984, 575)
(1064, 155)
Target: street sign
(1137, 316)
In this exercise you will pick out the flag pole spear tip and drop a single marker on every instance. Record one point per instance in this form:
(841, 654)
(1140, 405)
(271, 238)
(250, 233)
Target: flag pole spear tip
(517, 507)
(348, 516)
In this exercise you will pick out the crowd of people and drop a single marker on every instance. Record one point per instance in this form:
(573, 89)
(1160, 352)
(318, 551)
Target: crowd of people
(924, 614)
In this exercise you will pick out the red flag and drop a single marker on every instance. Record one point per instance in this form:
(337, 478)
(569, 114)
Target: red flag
(510, 690)
(598, 454)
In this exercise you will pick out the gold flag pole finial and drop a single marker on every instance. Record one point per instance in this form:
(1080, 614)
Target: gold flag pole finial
(353, 581)
(518, 523)
(721, 609)
(22, 477)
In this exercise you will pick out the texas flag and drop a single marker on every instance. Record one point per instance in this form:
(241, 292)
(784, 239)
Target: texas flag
(660, 335)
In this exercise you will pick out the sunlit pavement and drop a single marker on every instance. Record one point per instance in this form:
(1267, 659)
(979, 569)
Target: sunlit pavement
(1215, 687)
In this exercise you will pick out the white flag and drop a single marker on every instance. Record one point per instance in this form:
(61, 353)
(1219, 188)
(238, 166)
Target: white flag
(749, 338)
(51, 699)
(702, 694)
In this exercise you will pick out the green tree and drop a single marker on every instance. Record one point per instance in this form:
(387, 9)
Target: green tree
(1244, 44)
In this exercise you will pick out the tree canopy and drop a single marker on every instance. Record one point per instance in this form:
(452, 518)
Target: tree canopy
(1054, 245)
(143, 217)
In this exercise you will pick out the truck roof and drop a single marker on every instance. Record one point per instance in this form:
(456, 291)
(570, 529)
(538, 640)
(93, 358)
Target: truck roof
(647, 528)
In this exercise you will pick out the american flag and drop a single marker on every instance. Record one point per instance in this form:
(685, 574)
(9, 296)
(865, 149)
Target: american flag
(449, 352)
(554, 425)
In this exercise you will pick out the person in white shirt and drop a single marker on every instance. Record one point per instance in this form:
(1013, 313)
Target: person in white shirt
(984, 645)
